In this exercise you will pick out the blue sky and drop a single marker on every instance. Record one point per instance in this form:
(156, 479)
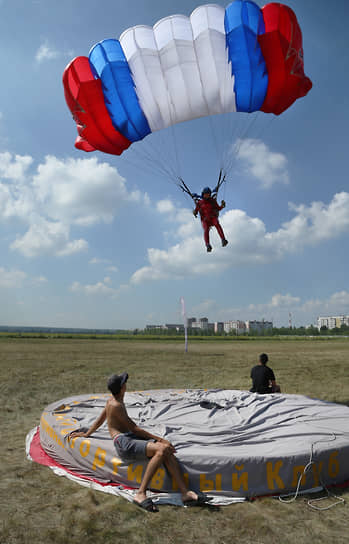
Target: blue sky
(93, 240)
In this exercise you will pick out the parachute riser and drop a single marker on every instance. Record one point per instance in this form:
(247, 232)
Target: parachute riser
(183, 186)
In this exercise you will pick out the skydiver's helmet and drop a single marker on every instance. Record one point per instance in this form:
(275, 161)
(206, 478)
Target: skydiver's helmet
(206, 190)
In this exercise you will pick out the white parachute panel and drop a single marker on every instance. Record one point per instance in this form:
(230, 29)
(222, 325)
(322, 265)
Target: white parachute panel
(180, 67)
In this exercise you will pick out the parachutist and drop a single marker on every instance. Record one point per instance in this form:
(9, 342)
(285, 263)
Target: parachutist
(209, 209)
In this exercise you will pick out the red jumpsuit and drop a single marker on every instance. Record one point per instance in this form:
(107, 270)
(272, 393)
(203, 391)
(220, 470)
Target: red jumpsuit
(209, 210)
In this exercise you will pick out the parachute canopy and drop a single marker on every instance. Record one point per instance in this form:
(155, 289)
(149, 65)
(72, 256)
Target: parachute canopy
(242, 58)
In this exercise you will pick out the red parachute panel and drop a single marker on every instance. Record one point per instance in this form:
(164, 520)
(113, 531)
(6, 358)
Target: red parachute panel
(84, 97)
(282, 49)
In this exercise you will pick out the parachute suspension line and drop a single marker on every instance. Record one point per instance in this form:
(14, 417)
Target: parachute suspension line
(234, 151)
(148, 152)
(214, 140)
(233, 129)
(266, 126)
(149, 159)
(231, 154)
(176, 153)
(174, 157)
(171, 108)
(148, 163)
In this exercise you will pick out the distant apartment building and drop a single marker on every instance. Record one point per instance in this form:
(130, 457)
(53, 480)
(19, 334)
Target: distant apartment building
(258, 326)
(201, 323)
(154, 327)
(218, 327)
(331, 322)
(237, 327)
(174, 327)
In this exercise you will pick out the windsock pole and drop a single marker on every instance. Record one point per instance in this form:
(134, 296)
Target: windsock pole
(185, 320)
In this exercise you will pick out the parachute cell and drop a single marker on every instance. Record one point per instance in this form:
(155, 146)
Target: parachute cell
(85, 99)
(243, 24)
(180, 67)
(109, 63)
(216, 61)
(282, 49)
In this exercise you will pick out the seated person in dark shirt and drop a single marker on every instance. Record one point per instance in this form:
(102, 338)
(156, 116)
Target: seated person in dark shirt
(263, 378)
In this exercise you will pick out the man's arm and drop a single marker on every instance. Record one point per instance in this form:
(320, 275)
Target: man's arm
(197, 207)
(99, 421)
(220, 207)
(272, 381)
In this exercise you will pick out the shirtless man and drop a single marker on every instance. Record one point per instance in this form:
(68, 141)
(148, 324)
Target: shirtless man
(133, 443)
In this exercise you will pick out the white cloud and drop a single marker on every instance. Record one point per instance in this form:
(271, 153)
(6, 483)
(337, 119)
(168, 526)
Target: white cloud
(278, 303)
(47, 237)
(249, 241)
(259, 161)
(97, 260)
(165, 206)
(14, 167)
(11, 279)
(100, 288)
(283, 301)
(40, 280)
(60, 195)
(312, 225)
(81, 191)
(206, 307)
(336, 304)
(46, 52)
(340, 299)
(112, 269)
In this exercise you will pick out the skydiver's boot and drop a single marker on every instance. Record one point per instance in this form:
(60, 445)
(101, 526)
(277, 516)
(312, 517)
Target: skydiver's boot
(209, 248)
(224, 242)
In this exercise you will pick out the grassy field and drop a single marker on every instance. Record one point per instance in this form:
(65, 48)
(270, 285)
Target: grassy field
(39, 507)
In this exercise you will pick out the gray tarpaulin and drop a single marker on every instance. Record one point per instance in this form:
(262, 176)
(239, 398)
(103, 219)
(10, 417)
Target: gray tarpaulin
(227, 441)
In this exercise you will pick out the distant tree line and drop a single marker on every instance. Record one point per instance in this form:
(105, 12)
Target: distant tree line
(275, 331)
(60, 330)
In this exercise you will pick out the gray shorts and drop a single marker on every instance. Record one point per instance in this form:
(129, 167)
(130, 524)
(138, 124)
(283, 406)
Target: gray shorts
(131, 447)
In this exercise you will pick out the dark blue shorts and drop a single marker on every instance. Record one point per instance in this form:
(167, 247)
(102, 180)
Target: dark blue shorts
(131, 447)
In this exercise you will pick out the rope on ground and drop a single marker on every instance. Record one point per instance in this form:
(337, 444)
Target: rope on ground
(339, 500)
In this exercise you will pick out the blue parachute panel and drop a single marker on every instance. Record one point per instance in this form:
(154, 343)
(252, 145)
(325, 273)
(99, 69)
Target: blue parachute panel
(243, 23)
(109, 63)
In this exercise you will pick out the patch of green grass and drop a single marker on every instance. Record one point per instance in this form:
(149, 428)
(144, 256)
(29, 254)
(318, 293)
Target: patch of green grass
(37, 506)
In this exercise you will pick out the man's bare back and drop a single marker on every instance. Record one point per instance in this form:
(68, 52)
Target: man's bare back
(117, 419)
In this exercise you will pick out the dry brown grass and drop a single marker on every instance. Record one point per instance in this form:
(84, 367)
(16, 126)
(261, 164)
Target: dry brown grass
(39, 507)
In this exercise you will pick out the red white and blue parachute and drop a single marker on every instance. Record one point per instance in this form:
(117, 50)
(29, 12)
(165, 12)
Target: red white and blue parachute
(242, 58)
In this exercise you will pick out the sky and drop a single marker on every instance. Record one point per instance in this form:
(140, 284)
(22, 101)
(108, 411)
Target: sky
(98, 241)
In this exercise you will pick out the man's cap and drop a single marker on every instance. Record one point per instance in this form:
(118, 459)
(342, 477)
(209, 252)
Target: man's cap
(263, 358)
(116, 381)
